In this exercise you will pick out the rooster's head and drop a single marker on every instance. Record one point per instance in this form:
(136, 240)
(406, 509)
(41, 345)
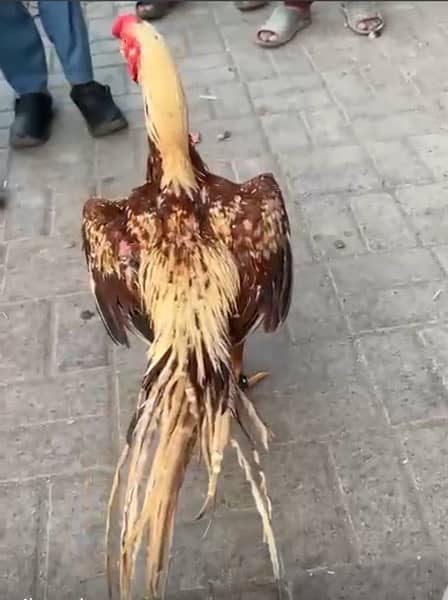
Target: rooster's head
(124, 29)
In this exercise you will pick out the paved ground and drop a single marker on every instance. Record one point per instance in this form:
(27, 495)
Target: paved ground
(357, 131)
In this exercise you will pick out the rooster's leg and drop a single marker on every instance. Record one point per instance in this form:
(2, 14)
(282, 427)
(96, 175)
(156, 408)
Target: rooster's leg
(237, 361)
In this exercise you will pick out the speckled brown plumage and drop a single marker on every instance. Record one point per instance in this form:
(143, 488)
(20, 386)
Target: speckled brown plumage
(192, 263)
(249, 218)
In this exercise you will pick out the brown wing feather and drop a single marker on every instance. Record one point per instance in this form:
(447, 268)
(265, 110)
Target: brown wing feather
(113, 282)
(259, 235)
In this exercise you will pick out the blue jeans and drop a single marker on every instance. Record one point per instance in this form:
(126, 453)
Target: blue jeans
(22, 55)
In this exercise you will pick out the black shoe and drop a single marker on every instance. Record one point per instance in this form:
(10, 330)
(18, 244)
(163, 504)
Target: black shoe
(31, 125)
(99, 110)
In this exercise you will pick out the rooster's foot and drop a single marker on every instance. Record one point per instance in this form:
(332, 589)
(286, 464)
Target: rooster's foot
(246, 383)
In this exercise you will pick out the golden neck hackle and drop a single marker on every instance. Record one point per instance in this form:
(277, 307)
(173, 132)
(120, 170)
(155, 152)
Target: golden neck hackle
(166, 111)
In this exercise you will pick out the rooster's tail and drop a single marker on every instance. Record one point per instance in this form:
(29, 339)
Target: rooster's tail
(189, 398)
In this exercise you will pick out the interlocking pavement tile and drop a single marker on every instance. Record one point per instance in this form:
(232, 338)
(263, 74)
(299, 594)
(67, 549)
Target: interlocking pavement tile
(291, 60)
(76, 532)
(266, 591)
(382, 222)
(20, 526)
(28, 214)
(385, 270)
(312, 527)
(232, 552)
(207, 69)
(245, 139)
(81, 340)
(333, 231)
(427, 209)
(42, 267)
(285, 132)
(313, 388)
(231, 100)
(348, 85)
(57, 447)
(380, 500)
(427, 448)
(286, 94)
(67, 210)
(409, 388)
(396, 125)
(419, 578)
(252, 167)
(24, 340)
(393, 99)
(415, 303)
(398, 164)
(434, 340)
(328, 126)
(315, 312)
(432, 150)
(330, 170)
(65, 397)
(390, 289)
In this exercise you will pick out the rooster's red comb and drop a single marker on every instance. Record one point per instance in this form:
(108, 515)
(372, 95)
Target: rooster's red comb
(121, 23)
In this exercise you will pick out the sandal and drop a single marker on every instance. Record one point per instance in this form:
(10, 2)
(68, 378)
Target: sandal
(245, 5)
(363, 18)
(284, 23)
(150, 10)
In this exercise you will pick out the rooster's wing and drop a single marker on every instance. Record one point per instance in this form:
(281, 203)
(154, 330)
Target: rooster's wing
(258, 233)
(112, 273)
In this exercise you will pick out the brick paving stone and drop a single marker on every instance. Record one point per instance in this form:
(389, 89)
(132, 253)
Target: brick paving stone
(356, 132)
(426, 449)
(413, 579)
(427, 211)
(398, 307)
(43, 257)
(76, 532)
(432, 150)
(19, 543)
(231, 553)
(397, 164)
(381, 222)
(28, 356)
(333, 230)
(315, 313)
(314, 388)
(67, 397)
(384, 513)
(29, 214)
(288, 93)
(80, 337)
(347, 169)
(385, 270)
(408, 388)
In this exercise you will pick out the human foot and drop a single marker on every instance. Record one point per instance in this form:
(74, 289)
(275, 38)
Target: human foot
(363, 18)
(150, 11)
(284, 23)
(98, 108)
(245, 5)
(32, 121)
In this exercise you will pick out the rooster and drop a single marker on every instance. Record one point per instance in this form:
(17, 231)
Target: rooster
(192, 263)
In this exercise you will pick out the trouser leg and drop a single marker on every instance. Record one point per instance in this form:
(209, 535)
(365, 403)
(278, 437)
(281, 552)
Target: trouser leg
(64, 24)
(22, 55)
